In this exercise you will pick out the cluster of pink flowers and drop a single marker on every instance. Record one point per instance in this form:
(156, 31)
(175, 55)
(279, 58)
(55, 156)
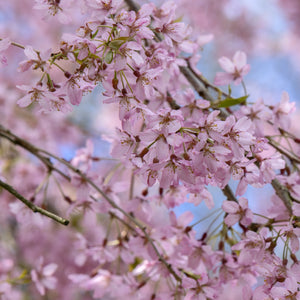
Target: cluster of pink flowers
(174, 141)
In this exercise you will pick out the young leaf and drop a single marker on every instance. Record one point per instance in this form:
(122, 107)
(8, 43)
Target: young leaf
(117, 43)
(109, 57)
(232, 101)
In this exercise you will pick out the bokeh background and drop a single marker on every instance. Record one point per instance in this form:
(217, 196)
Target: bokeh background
(268, 31)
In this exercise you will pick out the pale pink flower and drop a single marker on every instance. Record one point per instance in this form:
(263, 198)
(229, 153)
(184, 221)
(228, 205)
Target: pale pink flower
(84, 157)
(238, 136)
(100, 284)
(269, 166)
(34, 58)
(237, 212)
(61, 9)
(283, 110)
(235, 69)
(43, 277)
(34, 94)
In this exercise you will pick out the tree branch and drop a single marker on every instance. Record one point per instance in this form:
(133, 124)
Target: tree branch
(227, 191)
(200, 86)
(291, 156)
(31, 148)
(37, 152)
(33, 207)
(283, 193)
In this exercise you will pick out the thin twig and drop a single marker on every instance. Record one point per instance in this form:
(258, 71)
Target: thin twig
(291, 156)
(37, 152)
(5, 133)
(33, 207)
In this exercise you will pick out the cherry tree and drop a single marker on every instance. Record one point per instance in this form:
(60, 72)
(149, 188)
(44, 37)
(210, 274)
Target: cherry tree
(79, 223)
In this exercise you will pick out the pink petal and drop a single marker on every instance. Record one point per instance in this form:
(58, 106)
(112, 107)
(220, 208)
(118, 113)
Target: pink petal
(223, 78)
(240, 59)
(294, 241)
(226, 64)
(25, 101)
(30, 53)
(243, 202)
(243, 124)
(231, 219)
(230, 207)
(75, 95)
(49, 269)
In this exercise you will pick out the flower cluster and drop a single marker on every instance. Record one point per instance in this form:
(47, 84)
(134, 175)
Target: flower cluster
(179, 136)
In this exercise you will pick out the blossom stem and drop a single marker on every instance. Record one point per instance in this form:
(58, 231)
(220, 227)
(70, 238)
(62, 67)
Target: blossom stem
(206, 217)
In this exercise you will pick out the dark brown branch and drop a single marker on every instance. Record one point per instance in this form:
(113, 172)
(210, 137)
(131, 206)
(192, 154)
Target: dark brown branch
(227, 191)
(132, 5)
(33, 207)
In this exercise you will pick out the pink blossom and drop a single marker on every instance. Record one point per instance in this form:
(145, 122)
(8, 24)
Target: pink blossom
(34, 94)
(282, 111)
(35, 59)
(235, 69)
(237, 212)
(43, 277)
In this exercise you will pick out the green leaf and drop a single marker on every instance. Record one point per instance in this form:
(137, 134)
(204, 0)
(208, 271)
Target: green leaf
(232, 101)
(117, 43)
(109, 57)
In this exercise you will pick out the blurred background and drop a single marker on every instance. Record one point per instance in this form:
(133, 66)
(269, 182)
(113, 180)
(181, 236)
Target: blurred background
(268, 31)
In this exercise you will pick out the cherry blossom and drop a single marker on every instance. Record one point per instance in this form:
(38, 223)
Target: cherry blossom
(237, 212)
(137, 227)
(43, 276)
(235, 69)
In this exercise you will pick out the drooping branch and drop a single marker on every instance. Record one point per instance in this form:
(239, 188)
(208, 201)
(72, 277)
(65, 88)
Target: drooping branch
(200, 85)
(45, 156)
(33, 207)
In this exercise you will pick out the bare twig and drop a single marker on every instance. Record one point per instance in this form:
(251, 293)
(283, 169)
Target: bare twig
(37, 152)
(33, 207)
(291, 156)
